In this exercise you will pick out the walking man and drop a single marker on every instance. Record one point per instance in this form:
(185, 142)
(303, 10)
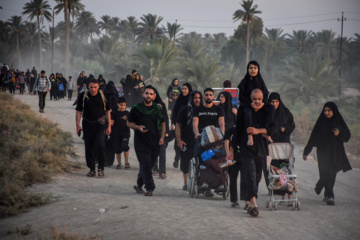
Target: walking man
(94, 109)
(148, 123)
(252, 157)
(42, 86)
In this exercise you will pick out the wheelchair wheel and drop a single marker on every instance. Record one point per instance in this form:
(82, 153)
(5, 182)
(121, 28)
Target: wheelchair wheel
(191, 178)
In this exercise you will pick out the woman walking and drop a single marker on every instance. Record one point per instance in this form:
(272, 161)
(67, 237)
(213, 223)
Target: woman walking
(328, 135)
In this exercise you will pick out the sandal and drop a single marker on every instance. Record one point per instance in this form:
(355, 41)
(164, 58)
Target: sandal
(119, 166)
(246, 206)
(92, 173)
(162, 176)
(101, 173)
(254, 212)
(127, 165)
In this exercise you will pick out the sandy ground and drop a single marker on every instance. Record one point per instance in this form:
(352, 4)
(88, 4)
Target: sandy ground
(171, 213)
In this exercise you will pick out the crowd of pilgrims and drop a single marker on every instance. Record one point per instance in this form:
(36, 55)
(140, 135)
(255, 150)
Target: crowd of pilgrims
(328, 135)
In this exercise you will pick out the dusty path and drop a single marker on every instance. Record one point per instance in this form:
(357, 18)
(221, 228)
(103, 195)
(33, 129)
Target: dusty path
(170, 213)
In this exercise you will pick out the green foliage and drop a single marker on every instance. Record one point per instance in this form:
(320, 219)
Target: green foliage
(31, 150)
(94, 66)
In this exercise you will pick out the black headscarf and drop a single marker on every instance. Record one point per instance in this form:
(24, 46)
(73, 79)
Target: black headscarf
(323, 138)
(180, 102)
(227, 106)
(282, 118)
(250, 83)
(111, 95)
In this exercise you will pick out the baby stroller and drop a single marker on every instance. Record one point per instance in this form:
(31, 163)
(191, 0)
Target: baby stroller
(204, 166)
(280, 164)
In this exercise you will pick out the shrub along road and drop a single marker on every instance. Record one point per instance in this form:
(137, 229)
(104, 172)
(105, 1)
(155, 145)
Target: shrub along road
(170, 213)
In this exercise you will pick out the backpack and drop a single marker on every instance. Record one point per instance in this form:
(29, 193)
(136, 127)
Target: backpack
(101, 94)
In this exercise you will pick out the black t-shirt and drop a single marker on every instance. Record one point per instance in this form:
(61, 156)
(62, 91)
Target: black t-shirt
(187, 133)
(93, 107)
(120, 118)
(152, 136)
(208, 116)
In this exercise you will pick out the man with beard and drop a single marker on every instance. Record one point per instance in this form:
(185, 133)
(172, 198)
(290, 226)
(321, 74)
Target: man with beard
(148, 123)
(207, 115)
(184, 133)
(253, 156)
(93, 107)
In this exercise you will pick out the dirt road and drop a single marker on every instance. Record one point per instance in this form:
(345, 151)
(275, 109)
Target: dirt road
(170, 213)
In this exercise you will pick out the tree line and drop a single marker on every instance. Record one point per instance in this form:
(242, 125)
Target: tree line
(302, 65)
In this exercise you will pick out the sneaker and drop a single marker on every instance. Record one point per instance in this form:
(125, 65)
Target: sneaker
(235, 205)
(227, 163)
(330, 201)
(208, 193)
(204, 185)
(221, 187)
(325, 199)
(176, 163)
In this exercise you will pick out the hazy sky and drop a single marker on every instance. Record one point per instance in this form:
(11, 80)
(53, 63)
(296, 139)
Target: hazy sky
(215, 16)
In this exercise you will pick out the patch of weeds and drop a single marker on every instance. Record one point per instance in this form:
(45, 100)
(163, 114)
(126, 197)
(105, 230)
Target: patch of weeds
(22, 231)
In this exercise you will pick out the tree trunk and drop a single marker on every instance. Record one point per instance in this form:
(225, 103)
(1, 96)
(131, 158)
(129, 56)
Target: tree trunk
(40, 46)
(18, 51)
(67, 37)
(247, 43)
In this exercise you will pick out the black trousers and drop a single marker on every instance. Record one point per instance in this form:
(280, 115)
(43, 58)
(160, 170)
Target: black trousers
(253, 167)
(327, 176)
(160, 163)
(70, 94)
(177, 151)
(233, 175)
(146, 156)
(94, 137)
(42, 97)
(22, 88)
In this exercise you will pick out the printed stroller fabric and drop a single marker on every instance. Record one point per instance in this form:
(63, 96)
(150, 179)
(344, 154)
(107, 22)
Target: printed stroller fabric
(282, 182)
(211, 136)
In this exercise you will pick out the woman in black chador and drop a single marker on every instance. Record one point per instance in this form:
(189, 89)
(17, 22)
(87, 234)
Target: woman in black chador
(229, 109)
(328, 135)
(173, 93)
(285, 125)
(182, 101)
(251, 81)
(283, 119)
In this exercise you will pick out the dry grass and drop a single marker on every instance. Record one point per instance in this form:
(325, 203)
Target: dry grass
(32, 149)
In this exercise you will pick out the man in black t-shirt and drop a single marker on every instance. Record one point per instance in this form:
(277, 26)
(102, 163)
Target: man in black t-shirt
(253, 157)
(147, 121)
(93, 107)
(208, 114)
(185, 135)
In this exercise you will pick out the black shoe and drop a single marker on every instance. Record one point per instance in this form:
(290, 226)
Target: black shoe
(139, 189)
(176, 164)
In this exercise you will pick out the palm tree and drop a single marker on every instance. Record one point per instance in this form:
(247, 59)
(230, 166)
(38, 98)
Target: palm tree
(310, 80)
(16, 26)
(29, 37)
(173, 31)
(192, 47)
(149, 26)
(156, 59)
(325, 44)
(299, 41)
(247, 14)
(200, 72)
(106, 23)
(38, 8)
(86, 25)
(68, 7)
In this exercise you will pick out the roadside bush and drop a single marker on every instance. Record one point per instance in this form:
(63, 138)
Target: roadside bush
(32, 149)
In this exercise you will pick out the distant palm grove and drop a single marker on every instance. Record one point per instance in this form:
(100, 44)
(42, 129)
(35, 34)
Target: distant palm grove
(304, 65)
